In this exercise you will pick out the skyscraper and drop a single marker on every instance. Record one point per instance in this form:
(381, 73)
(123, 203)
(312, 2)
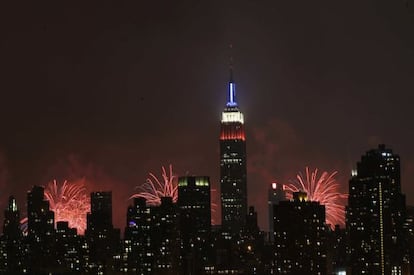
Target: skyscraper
(11, 225)
(165, 237)
(376, 214)
(194, 203)
(103, 240)
(69, 249)
(40, 232)
(233, 164)
(138, 238)
(11, 258)
(195, 222)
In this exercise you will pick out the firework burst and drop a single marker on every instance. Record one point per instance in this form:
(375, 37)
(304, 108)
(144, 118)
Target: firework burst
(154, 188)
(70, 202)
(23, 226)
(323, 189)
(213, 198)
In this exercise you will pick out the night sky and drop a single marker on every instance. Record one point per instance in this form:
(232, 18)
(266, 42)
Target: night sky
(110, 92)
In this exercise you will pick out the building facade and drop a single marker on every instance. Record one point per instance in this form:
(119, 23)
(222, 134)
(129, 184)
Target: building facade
(102, 239)
(299, 237)
(275, 195)
(11, 243)
(195, 222)
(138, 239)
(40, 238)
(376, 215)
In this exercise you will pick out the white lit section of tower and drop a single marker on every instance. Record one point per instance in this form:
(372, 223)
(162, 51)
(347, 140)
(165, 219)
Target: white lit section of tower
(233, 164)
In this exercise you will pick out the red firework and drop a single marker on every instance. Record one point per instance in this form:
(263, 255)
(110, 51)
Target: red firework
(213, 205)
(70, 202)
(324, 190)
(23, 226)
(154, 189)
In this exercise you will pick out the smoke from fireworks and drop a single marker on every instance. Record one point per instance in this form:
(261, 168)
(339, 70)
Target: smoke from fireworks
(324, 190)
(70, 202)
(154, 189)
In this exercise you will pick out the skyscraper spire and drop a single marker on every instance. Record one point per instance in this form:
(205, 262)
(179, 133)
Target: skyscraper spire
(231, 102)
(231, 63)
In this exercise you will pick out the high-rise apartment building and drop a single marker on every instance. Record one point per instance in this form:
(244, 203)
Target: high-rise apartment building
(165, 237)
(102, 239)
(138, 239)
(299, 237)
(69, 249)
(376, 215)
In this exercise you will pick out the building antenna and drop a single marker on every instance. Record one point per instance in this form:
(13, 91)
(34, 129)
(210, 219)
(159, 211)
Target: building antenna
(231, 63)
(232, 86)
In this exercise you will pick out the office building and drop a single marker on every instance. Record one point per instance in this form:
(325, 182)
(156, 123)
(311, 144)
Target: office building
(233, 164)
(195, 222)
(299, 237)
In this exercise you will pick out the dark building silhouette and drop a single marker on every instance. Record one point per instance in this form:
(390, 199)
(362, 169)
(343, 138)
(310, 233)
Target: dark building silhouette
(299, 237)
(138, 239)
(102, 239)
(233, 164)
(225, 253)
(195, 222)
(275, 195)
(165, 237)
(40, 238)
(376, 215)
(409, 231)
(251, 246)
(12, 248)
(337, 250)
(70, 250)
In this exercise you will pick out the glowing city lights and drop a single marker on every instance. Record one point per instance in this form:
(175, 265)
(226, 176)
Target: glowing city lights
(228, 117)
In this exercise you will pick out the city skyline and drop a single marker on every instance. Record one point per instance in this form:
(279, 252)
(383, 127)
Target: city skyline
(110, 94)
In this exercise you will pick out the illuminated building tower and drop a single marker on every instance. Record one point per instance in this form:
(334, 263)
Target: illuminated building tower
(376, 214)
(11, 241)
(40, 232)
(195, 222)
(11, 227)
(233, 164)
(276, 194)
(103, 240)
(137, 241)
(299, 237)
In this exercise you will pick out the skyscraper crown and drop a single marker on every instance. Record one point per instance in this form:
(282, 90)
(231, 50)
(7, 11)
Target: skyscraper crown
(231, 100)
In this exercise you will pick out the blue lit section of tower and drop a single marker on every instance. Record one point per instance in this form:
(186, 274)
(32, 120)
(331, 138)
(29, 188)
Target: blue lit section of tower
(233, 164)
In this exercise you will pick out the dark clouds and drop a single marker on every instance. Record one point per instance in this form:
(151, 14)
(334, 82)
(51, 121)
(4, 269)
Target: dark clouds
(111, 91)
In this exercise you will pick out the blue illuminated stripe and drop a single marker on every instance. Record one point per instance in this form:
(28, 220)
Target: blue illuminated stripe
(232, 95)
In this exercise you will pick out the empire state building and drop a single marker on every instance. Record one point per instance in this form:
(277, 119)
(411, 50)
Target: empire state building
(233, 164)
